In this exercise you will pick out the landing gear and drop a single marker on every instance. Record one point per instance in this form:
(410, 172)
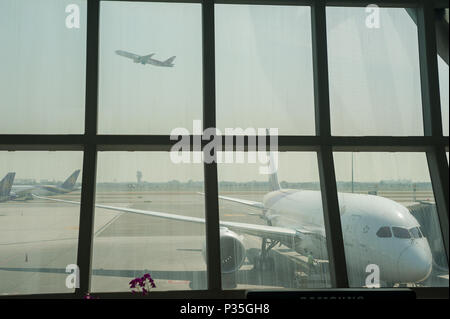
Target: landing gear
(267, 263)
(264, 261)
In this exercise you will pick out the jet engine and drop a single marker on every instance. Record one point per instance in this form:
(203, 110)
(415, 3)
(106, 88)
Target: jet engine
(232, 251)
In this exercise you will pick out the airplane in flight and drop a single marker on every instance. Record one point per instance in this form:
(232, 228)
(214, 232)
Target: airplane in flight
(146, 59)
(376, 230)
(9, 192)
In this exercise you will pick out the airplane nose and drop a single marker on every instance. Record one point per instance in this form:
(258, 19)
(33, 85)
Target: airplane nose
(415, 264)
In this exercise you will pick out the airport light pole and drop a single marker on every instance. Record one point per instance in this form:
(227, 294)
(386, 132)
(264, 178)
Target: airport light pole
(353, 189)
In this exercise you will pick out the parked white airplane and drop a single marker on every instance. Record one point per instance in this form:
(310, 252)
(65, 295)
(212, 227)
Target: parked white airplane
(376, 231)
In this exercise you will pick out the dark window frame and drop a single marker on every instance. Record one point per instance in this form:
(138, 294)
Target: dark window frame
(433, 143)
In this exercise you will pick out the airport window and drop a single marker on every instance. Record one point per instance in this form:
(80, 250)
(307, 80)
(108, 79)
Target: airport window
(128, 242)
(144, 88)
(94, 191)
(384, 232)
(403, 190)
(43, 68)
(283, 261)
(443, 85)
(38, 238)
(374, 73)
(264, 68)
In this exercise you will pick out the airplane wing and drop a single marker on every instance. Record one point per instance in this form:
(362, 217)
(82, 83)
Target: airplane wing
(265, 231)
(241, 201)
(148, 56)
(127, 54)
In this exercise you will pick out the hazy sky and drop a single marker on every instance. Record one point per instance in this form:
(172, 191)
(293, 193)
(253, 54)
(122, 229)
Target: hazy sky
(263, 79)
(443, 83)
(264, 72)
(42, 63)
(143, 99)
(374, 73)
(157, 167)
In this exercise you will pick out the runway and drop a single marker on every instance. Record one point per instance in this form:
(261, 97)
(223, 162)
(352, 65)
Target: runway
(39, 238)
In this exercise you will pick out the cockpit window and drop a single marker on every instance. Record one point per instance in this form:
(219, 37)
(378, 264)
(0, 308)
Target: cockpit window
(384, 232)
(400, 232)
(415, 232)
(421, 231)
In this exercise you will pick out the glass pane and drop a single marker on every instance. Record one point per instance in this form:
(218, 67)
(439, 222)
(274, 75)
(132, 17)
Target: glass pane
(384, 232)
(400, 232)
(443, 85)
(38, 237)
(129, 244)
(390, 190)
(150, 76)
(264, 73)
(282, 210)
(42, 63)
(374, 72)
(415, 232)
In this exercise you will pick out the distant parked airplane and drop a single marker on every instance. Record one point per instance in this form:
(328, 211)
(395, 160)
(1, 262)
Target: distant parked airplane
(146, 59)
(66, 187)
(9, 192)
(5, 187)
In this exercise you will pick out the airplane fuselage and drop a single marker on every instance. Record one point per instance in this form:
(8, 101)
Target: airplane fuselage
(143, 61)
(146, 59)
(400, 260)
(24, 192)
(55, 190)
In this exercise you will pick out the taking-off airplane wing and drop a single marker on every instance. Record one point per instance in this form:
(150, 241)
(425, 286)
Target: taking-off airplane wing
(264, 231)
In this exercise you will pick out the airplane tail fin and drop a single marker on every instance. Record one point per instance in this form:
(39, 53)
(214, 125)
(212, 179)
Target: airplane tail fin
(70, 182)
(6, 184)
(273, 176)
(274, 185)
(170, 60)
(273, 168)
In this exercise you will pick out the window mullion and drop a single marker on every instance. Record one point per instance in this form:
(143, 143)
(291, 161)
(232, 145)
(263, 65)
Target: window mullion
(210, 169)
(332, 219)
(86, 227)
(432, 116)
